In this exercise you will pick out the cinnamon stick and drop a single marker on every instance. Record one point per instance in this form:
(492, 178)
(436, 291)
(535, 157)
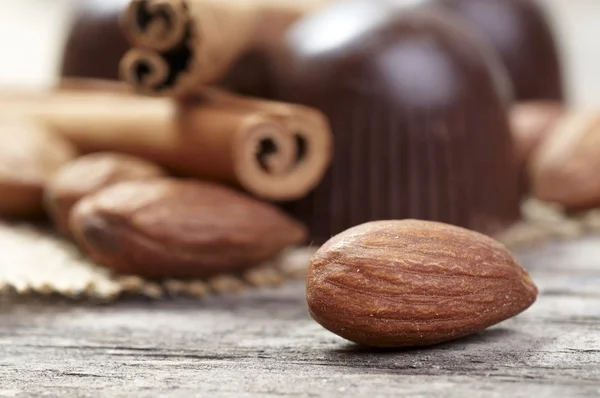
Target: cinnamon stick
(181, 45)
(95, 85)
(275, 151)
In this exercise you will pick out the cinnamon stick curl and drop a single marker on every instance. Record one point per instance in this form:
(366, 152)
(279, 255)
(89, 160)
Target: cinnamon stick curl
(181, 45)
(275, 151)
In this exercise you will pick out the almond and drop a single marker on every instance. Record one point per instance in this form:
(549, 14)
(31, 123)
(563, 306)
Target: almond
(564, 169)
(89, 174)
(531, 122)
(169, 228)
(414, 283)
(29, 157)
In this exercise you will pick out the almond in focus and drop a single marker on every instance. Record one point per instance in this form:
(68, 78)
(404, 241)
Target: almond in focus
(170, 228)
(88, 174)
(414, 283)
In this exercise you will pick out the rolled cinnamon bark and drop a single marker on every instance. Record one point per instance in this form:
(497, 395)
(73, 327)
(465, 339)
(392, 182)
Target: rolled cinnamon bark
(181, 45)
(274, 151)
(93, 84)
(157, 24)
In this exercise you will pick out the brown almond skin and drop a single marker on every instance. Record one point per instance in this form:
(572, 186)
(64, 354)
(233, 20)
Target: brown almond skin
(29, 157)
(414, 283)
(170, 228)
(531, 122)
(89, 174)
(565, 168)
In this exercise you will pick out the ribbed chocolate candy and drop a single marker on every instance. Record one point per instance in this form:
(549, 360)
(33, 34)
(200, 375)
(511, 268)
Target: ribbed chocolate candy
(521, 33)
(95, 43)
(418, 110)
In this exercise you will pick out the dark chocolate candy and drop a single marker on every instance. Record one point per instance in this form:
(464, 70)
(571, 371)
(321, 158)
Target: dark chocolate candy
(249, 75)
(522, 34)
(519, 30)
(418, 108)
(95, 43)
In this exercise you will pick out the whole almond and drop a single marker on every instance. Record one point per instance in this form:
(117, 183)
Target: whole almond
(531, 122)
(169, 228)
(414, 283)
(29, 157)
(565, 168)
(88, 174)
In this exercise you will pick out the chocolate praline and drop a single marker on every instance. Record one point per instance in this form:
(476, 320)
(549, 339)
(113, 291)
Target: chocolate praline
(418, 108)
(522, 33)
(95, 43)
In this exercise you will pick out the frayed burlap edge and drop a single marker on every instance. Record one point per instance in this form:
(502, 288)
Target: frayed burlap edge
(35, 261)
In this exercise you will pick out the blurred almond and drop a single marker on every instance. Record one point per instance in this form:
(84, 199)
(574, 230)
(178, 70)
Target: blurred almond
(565, 169)
(89, 174)
(531, 122)
(29, 157)
(170, 228)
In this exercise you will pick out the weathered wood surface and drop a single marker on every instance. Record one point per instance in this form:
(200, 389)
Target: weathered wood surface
(262, 344)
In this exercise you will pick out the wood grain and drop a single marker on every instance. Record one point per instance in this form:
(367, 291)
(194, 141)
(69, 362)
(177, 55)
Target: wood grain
(263, 344)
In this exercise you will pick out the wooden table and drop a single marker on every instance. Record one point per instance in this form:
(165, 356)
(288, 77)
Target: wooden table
(262, 344)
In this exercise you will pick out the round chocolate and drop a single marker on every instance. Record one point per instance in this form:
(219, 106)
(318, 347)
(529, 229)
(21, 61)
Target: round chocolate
(521, 32)
(418, 109)
(95, 43)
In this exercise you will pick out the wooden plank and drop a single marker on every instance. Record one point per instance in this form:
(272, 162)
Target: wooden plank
(262, 343)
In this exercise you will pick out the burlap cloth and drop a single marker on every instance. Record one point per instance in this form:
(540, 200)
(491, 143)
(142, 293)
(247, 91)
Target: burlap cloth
(36, 261)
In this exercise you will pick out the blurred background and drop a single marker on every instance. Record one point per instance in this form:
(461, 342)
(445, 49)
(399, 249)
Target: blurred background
(32, 33)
